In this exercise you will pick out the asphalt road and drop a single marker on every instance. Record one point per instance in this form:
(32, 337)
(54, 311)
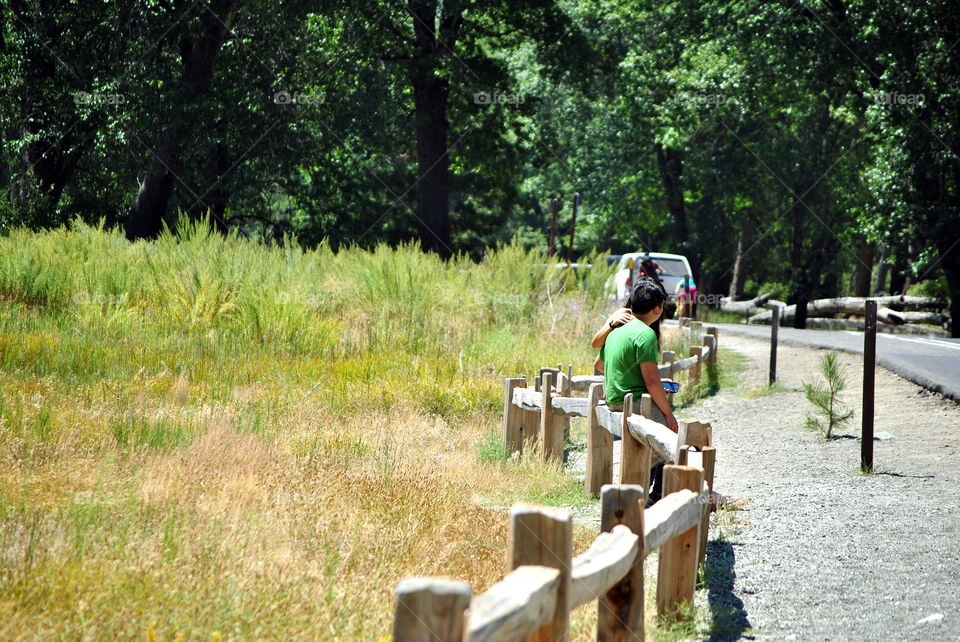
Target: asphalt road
(929, 362)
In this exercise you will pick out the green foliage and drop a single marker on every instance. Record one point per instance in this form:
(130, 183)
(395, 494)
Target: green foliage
(829, 412)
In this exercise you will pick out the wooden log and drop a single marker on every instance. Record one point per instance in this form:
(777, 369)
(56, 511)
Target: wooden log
(684, 364)
(531, 427)
(673, 515)
(695, 433)
(599, 447)
(427, 609)
(544, 537)
(606, 562)
(851, 305)
(566, 407)
(774, 329)
(708, 462)
(695, 351)
(683, 455)
(741, 307)
(634, 453)
(512, 420)
(677, 574)
(620, 610)
(582, 383)
(551, 430)
(661, 440)
(515, 607)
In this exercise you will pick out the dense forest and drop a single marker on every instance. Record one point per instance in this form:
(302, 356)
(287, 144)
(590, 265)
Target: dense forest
(807, 148)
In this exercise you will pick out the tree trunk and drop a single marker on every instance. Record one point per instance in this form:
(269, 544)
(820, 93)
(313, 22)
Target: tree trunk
(736, 283)
(430, 95)
(861, 286)
(198, 55)
(950, 263)
(670, 163)
(882, 269)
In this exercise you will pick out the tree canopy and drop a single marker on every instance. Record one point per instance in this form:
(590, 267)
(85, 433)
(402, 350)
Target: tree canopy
(808, 147)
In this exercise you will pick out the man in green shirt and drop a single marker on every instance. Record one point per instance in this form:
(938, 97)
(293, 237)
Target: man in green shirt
(629, 349)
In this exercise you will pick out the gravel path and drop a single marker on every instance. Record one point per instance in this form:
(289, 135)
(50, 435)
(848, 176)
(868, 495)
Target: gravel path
(822, 552)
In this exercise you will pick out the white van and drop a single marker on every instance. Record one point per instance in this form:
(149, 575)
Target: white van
(675, 266)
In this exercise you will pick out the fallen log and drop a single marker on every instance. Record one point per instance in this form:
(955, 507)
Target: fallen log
(748, 307)
(852, 305)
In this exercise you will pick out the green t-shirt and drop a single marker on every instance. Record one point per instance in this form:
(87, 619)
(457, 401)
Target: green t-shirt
(625, 349)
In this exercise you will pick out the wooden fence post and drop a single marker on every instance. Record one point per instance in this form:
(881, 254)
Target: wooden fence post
(677, 574)
(695, 433)
(599, 447)
(669, 357)
(512, 416)
(709, 454)
(428, 609)
(620, 610)
(544, 537)
(710, 343)
(714, 332)
(551, 430)
(563, 390)
(695, 368)
(634, 456)
(699, 435)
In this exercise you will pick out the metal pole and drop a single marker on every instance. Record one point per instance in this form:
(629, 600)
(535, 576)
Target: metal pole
(774, 328)
(573, 226)
(553, 227)
(869, 376)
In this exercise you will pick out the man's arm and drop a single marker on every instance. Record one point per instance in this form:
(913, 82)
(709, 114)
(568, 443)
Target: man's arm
(619, 317)
(651, 376)
(598, 364)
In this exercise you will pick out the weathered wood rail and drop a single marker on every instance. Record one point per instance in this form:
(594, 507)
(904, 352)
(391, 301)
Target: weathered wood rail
(545, 582)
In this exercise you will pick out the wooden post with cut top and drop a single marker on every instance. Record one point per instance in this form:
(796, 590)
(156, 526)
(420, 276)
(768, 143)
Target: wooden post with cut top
(512, 415)
(713, 331)
(599, 447)
(634, 456)
(669, 357)
(544, 537)
(551, 430)
(620, 610)
(428, 609)
(677, 574)
(695, 368)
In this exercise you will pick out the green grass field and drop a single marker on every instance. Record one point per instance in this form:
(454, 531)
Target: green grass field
(203, 436)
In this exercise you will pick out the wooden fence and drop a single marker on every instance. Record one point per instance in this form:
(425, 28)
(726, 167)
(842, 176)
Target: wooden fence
(545, 582)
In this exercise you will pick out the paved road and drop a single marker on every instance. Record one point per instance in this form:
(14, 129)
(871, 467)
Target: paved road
(929, 362)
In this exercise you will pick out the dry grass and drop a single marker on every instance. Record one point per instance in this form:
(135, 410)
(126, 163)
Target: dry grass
(162, 472)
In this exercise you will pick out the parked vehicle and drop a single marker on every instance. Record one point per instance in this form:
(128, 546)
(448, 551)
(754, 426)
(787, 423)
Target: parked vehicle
(675, 266)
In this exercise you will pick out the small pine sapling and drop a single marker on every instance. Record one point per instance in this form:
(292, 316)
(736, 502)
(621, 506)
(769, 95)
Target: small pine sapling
(829, 411)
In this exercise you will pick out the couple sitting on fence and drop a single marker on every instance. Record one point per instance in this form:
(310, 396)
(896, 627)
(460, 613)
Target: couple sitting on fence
(629, 344)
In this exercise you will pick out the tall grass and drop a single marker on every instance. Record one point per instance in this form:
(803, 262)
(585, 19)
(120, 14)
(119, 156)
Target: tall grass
(202, 434)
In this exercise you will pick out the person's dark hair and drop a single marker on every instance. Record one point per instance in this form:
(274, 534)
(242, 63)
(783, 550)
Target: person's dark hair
(647, 294)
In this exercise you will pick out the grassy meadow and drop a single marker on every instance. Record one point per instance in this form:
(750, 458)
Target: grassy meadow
(208, 438)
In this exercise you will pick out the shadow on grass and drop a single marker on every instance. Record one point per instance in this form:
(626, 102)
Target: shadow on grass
(728, 618)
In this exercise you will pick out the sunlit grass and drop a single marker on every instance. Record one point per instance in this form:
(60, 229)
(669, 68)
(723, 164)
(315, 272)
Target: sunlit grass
(202, 434)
